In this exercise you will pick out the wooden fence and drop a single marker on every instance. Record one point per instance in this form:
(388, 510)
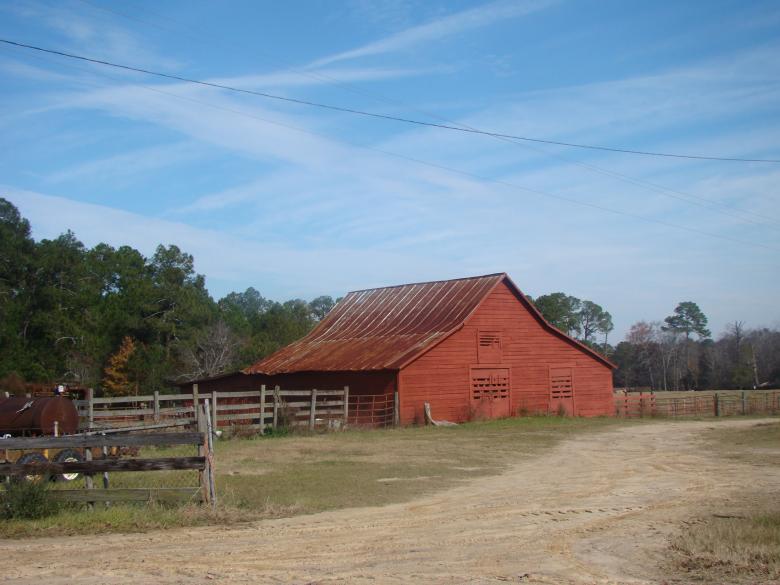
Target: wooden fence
(255, 409)
(710, 404)
(94, 450)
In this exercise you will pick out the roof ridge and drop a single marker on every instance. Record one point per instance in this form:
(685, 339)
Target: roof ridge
(429, 282)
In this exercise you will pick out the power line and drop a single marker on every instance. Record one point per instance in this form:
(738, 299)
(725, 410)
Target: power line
(702, 202)
(384, 116)
(452, 170)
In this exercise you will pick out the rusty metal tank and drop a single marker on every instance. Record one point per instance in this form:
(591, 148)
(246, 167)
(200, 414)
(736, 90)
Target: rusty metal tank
(20, 415)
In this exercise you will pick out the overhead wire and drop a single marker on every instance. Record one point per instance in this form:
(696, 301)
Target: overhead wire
(380, 116)
(721, 207)
(474, 176)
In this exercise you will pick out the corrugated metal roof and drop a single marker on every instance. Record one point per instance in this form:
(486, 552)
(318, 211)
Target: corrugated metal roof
(382, 328)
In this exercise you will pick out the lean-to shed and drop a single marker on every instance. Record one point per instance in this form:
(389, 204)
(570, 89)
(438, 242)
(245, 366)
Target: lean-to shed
(471, 347)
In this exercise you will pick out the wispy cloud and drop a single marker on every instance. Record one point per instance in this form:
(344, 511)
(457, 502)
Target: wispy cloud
(129, 164)
(447, 26)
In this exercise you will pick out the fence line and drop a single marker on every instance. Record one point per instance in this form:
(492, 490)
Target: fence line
(89, 455)
(715, 404)
(255, 409)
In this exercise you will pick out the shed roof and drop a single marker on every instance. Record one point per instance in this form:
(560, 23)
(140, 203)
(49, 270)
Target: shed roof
(386, 328)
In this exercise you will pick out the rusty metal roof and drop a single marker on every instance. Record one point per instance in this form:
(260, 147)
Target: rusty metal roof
(382, 328)
(386, 328)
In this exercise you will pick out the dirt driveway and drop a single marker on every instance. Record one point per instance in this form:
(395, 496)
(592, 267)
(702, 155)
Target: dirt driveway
(594, 509)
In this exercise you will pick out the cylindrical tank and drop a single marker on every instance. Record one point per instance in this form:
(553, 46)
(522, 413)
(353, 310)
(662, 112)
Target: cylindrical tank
(20, 415)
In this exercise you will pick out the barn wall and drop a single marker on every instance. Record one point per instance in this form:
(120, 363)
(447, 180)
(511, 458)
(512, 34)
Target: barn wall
(441, 376)
(378, 382)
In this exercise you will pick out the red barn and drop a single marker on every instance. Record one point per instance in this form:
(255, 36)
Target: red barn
(471, 347)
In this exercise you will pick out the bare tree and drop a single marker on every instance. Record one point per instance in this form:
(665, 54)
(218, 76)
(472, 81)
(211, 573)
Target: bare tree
(211, 354)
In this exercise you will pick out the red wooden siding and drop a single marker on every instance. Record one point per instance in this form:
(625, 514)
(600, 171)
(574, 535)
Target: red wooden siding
(442, 375)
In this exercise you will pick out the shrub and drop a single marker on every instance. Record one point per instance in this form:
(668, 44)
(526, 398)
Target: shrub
(28, 500)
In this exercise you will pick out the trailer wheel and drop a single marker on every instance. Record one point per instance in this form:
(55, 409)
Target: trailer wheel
(67, 456)
(32, 458)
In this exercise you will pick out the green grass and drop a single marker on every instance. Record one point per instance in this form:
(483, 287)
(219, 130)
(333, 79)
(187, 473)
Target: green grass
(265, 477)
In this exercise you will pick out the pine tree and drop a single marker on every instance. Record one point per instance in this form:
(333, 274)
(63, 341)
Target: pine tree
(117, 375)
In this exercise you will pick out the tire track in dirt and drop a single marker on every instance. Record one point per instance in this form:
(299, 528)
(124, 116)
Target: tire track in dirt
(596, 509)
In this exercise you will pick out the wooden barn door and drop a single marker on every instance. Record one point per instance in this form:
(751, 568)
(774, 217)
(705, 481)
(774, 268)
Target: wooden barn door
(490, 392)
(562, 390)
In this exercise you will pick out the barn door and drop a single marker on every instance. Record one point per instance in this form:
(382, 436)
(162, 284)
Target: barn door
(562, 391)
(490, 392)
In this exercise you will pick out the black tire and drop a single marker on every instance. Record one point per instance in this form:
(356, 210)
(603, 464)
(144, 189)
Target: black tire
(67, 455)
(32, 458)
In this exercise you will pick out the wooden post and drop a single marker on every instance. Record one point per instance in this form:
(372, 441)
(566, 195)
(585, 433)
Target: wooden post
(210, 455)
(716, 403)
(90, 408)
(214, 421)
(312, 408)
(88, 484)
(262, 409)
(156, 406)
(396, 410)
(203, 452)
(744, 402)
(6, 394)
(276, 406)
(346, 405)
(195, 409)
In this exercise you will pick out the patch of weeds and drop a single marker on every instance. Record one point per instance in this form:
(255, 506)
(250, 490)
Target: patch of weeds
(28, 500)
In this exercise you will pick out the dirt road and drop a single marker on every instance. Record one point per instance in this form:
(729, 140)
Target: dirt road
(595, 509)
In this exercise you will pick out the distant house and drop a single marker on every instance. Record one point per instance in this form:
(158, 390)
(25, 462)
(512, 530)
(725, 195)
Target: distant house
(471, 347)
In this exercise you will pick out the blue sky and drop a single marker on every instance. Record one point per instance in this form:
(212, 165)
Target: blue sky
(299, 202)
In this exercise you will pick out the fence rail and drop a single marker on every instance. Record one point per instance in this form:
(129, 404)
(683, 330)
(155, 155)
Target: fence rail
(88, 455)
(256, 409)
(714, 404)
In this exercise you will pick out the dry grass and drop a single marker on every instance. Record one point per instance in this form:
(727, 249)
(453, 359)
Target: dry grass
(368, 468)
(741, 543)
(264, 477)
(731, 549)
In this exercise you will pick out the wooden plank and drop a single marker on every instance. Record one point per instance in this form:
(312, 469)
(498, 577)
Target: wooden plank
(86, 441)
(101, 465)
(233, 407)
(116, 413)
(128, 495)
(239, 394)
(156, 406)
(123, 399)
(243, 416)
(261, 420)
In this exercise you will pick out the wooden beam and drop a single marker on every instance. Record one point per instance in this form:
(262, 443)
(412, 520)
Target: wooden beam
(101, 465)
(86, 441)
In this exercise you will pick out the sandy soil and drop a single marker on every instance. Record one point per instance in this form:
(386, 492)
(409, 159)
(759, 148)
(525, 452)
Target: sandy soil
(596, 509)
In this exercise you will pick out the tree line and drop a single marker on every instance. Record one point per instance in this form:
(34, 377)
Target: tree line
(676, 353)
(113, 318)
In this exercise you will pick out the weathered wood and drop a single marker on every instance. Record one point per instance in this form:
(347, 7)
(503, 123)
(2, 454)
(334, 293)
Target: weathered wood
(195, 407)
(87, 441)
(276, 406)
(253, 416)
(238, 406)
(128, 495)
(123, 399)
(101, 465)
(209, 468)
(90, 408)
(396, 410)
(214, 410)
(346, 405)
(313, 409)
(88, 482)
(156, 406)
(261, 420)
(118, 413)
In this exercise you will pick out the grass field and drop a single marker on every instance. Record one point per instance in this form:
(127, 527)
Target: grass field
(282, 476)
